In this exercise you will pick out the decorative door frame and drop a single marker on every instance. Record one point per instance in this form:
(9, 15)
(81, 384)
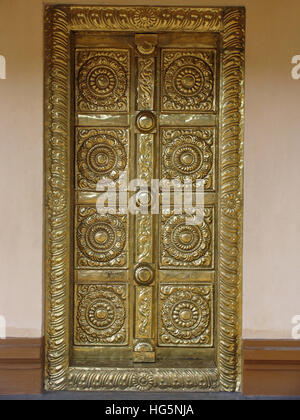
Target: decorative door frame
(60, 21)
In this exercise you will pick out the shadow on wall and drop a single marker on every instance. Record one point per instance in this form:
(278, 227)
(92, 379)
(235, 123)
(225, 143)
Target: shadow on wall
(2, 67)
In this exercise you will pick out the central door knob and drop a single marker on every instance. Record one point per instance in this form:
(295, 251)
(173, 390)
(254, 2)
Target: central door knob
(144, 275)
(146, 121)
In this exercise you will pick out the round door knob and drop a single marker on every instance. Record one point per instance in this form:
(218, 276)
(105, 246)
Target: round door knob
(146, 121)
(144, 275)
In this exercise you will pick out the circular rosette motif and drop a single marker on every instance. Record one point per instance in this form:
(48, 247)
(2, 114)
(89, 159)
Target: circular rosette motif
(144, 18)
(189, 84)
(143, 381)
(186, 243)
(185, 315)
(187, 156)
(101, 313)
(101, 238)
(102, 82)
(101, 155)
(231, 204)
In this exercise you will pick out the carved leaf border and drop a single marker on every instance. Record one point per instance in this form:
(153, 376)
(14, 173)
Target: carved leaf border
(59, 22)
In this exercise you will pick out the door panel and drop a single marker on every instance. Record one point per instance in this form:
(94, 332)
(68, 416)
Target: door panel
(103, 80)
(144, 289)
(187, 80)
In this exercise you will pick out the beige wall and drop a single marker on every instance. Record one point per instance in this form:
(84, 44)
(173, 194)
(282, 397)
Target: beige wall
(272, 175)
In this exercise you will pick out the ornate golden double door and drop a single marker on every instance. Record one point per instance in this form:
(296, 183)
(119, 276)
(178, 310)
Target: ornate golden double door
(146, 107)
(141, 298)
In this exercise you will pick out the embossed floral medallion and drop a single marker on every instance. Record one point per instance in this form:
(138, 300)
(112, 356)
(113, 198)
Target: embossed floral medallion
(188, 81)
(186, 315)
(184, 245)
(101, 239)
(103, 80)
(102, 315)
(101, 154)
(188, 153)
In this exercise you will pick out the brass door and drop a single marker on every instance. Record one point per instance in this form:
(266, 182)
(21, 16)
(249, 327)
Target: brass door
(145, 105)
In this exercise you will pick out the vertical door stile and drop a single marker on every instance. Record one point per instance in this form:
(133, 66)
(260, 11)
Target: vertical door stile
(144, 350)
